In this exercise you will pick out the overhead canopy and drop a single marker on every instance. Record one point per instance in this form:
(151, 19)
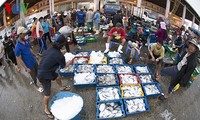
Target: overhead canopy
(195, 5)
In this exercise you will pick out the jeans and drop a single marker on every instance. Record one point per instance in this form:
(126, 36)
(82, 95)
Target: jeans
(47, 35)
(42, 44)
(89, 26)
(170, 71)
(74, 23)
(96, 25)
(33, 73)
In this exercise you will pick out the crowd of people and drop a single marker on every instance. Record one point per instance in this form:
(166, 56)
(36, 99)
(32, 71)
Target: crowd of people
(61, 26)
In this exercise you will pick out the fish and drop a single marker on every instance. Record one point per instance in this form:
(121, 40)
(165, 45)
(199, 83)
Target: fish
(116, 61)
(151, 89)
(110, 110)
(85, 68)
(114, 54)
(128, 79)
(105, 69)
(70, 68)
(142, 69)
(107, 79)
(131, 91)
(82, 54)
(147, 78)
(80, 61)
(84, 78)
(124, 69)
(135, 105)
(109, 93)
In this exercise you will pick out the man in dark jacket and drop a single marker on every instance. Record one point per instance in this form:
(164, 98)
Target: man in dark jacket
(117, 18)
(181, 73)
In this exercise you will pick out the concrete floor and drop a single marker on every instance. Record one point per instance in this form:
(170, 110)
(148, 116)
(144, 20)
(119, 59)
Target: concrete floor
(20, 101)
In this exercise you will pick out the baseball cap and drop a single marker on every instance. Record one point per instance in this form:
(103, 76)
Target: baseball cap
(60, 39)
(21, 30)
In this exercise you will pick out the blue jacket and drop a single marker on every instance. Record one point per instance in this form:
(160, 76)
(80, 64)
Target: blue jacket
(45, 26)
(97, 17)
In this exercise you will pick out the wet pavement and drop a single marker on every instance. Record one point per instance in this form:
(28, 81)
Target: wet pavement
(20, 101)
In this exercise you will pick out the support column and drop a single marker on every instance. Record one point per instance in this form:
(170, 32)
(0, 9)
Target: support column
(199, 27)
(132, 9)
(183, 16)
(72, 4)
(139, 3)
(167, 9)
(193, 21)
(96, 5)
(51, 7)
(4, 18)
(22, 17)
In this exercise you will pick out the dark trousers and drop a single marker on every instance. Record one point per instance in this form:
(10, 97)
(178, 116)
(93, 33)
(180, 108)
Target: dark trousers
(47, 35)
(12, 57)
(33, 73)
(42, 44)
(74, 41)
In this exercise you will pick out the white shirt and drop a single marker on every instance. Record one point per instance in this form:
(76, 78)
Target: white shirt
(182, 62)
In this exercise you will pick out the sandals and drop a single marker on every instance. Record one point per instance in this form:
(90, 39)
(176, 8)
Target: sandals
(49, 115)
(66, 88)
(162, 97)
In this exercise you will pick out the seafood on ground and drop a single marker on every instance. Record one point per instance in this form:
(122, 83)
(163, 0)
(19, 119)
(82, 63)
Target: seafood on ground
(131, 91)
(151, 89)
(116, 61)
(128, 79)
(108, 93)
(146, 78)
(84, 78)
(142, 69)
(70, 68)
(124, 69)
(105, 69)
(107, 79)
(109, 110)
(85, 68)
(135, 105)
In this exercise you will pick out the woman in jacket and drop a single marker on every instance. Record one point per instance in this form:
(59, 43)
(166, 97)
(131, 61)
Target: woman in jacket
(181, 73)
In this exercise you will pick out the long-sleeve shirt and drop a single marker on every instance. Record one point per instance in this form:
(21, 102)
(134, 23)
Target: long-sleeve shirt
(121, 32)
(38, 28)
(46, 26)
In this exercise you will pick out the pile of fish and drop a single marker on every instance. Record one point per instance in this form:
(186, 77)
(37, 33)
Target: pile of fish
(110, 93)
(105, 69)
(84, 78)
(80, 60)
(124, 69)
(147, 78)
(85, 54)
(97, 57)
(135, 105)
(128, 79)
(151, 89)
(131, 91)
(107, 79)
(70, 68)
(114, 54)
(142, 69)
(85, 68)
(116, 61)
(109, 110)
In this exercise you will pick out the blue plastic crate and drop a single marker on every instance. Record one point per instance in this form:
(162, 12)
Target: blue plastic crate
(116, 102)
(111, 57)
(142, 65)
(116, 63)
(124, 66)
(113, 68)
(151, 95)
(99, 88)
(77, 57)
(152, 78)
(65, 73)
(101, 74)
(79, 51)
(137, 112)
(78, 65)
(85, 85)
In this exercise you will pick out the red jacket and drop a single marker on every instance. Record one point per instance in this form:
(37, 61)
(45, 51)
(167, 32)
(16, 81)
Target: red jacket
(121, 32)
